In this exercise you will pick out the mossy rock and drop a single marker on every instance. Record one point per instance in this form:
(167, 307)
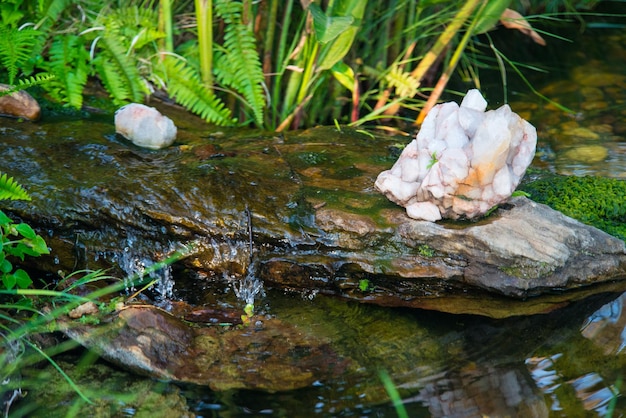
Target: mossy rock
(595, 201)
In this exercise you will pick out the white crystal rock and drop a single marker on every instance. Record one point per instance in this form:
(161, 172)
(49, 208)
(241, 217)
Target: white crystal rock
(145, 126)
(463, 162)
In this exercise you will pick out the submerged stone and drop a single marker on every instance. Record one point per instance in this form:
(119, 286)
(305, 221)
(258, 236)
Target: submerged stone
(111, 393)
(266, 355)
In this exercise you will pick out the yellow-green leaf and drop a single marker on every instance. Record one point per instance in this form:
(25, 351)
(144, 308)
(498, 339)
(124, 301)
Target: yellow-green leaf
(327, 28)
(344, 74)
(490, 15)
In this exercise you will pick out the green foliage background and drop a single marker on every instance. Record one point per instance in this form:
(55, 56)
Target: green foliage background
(274, 64)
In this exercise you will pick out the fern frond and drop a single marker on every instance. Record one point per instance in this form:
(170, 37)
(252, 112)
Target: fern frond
(134, 26)
(185, 86)
(405, 84)
(123, 47)
(118, 72)
(10, 189)
(239, 66)
(25, 83)
(16, 48)
(68, 61)
(51, 12)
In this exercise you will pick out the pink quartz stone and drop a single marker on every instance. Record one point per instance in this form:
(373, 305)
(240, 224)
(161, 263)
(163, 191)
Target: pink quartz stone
(463, 162)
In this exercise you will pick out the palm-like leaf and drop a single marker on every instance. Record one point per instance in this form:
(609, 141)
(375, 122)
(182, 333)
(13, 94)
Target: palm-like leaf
(16, 47)
(69, 63)
(10, 189)
(238, 65)
(185, 86)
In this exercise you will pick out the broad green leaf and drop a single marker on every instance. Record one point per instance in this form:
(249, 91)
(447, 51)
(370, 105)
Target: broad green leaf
(9, 281)
(4, 220)
(19, 250)
(6, 266)
(26, 231)
(338, 49)
(334, 51)
(344, 74)
(39, 245)
(327, 28)
(490, 15)
(22, 279)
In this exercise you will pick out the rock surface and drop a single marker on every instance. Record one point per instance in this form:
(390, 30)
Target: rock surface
(318, 225)
(145, 126)
(267, 355)
(19, 105)
(463, 162)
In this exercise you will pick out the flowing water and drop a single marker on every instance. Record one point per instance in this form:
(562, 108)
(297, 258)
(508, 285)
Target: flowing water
(569, 363)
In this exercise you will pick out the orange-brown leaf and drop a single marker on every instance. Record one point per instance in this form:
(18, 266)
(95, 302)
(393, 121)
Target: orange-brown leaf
(513, 20)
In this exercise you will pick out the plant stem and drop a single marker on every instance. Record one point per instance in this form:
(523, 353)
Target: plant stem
(204, 17)
(435, 51)
(165, 24)
(443, 80)
(445, 38)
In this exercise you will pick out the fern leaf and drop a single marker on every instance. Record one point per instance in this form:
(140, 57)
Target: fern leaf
(119, 73)
(125, 45)
(240, 66)
(25, 83)
(10, 189)
(185, 86)
(68, 61)
(16, 47)
(134, 26)
(405, 84)
(51, 11)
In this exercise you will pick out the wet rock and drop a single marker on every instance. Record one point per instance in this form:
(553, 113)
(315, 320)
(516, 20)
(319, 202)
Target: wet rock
(112, 393)
(591, 76)
(19, 105)
(524, 250)
(101, 203)
(145, 126)
(463, 162)
(267, 355)
(580, 132)
(587, 153)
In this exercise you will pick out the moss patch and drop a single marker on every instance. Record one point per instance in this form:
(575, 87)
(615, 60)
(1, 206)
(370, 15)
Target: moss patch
(595, 201)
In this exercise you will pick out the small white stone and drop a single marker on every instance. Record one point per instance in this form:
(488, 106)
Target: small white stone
(145, 126)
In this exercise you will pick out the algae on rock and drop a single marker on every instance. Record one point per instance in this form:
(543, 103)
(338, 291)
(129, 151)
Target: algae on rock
(595, 201)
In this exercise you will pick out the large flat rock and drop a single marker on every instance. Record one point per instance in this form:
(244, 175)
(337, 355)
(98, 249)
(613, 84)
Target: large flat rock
(318, 224)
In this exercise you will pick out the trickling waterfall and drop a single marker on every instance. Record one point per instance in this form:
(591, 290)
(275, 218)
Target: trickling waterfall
(247, 288)
(137, 266)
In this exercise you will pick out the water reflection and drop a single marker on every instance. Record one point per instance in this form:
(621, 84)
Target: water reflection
(546, 377)
(607, 327)
(593, 392)
(484, 390)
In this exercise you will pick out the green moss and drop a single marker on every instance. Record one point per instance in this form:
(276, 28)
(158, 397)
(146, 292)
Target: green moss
(313, 158)
(528, 271)
(425, 251)
(595, 201)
